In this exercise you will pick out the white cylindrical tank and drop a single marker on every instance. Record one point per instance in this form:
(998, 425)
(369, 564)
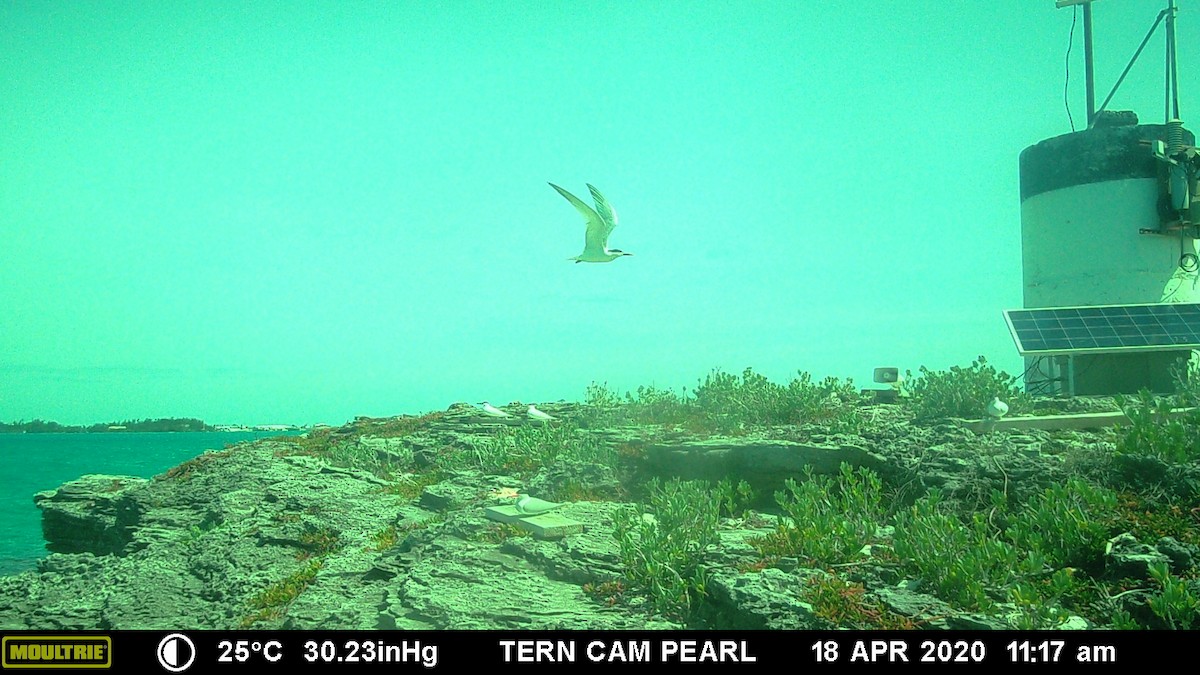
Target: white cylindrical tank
(1086, 198)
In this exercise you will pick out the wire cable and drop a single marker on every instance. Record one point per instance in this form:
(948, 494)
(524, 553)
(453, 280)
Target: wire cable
(1067, 79)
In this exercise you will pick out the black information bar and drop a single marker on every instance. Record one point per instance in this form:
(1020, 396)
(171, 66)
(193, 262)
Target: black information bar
(335, 651)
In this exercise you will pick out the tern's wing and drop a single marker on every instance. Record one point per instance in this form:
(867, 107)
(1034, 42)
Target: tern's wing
(607, 213)
(597, 230)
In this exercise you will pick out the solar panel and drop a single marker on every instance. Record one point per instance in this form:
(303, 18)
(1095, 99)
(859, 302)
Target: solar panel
(1105, 328)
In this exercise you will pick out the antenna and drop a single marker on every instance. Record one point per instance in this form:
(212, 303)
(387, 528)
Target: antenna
(1172, 86)
(1088, 76)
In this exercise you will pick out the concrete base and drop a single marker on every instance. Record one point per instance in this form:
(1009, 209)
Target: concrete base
(544, 526)
(550, 526)
(1083, 421)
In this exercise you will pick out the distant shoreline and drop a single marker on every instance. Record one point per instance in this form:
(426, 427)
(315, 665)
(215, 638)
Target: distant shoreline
(181, 425)
(238, 430)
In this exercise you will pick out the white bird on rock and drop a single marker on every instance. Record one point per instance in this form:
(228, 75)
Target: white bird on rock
(600, 223)
(492, 411)
(997, 408)
(533, 506)
(539, 415)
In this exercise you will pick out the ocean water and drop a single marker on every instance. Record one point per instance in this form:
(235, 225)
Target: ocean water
(36, 462)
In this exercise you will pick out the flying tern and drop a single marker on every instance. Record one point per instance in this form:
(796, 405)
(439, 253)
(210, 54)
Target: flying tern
(600, 223)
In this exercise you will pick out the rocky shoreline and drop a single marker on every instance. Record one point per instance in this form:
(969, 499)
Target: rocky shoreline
(264, 535)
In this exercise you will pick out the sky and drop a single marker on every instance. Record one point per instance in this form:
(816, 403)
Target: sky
(300, 212)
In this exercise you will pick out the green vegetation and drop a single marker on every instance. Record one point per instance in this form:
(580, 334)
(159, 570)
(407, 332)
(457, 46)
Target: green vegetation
(271, 604)
(1039, 601)
(1066, 525)
(411, 485)
(127, 426)
(318, 542)
(733, 500)
(1040, 557)
(963, 392)
(957, 561)
(1186, 375)
(967, 561)
(727, 404)
(346, 448)
(1153, 516)
(844, 605)
(496, 533)
(397, 427)
(1176, 606)
(573, 490)
(273, 601)
(663, 551)
(609, 593)
(392, 535)
(314, 443)
(190, 468)
(827, 520)
(352, 452)
(196, 533)
(1154, 432)
(349, 450)
(386, 538)
(518, 451)
(522, 451)
(1032, 557)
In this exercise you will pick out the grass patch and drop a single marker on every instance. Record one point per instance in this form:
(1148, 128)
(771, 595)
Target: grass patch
(314, 443)
(844, 605)
(731, 404)
(1150, 519)
(411, 485)
(959, 562)
(608, 593)
(525, 450)
(273, 601)
(1153, 432)
(827, 519)
(963, 392)
(577, 491)
(1067, 525)
(662, 552)
(1039, 556)
(318, 541)
(497, 533)
(1175, 605)
(386, 538)
(187, 470)
(400, 426)
(345, 449)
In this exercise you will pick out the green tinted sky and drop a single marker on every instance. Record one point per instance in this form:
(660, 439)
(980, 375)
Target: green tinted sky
(302, 212)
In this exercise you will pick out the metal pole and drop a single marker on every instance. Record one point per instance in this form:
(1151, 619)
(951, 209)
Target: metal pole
(1167, 88)
(1133, 60)
(1088, 77)
(1172, 64)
